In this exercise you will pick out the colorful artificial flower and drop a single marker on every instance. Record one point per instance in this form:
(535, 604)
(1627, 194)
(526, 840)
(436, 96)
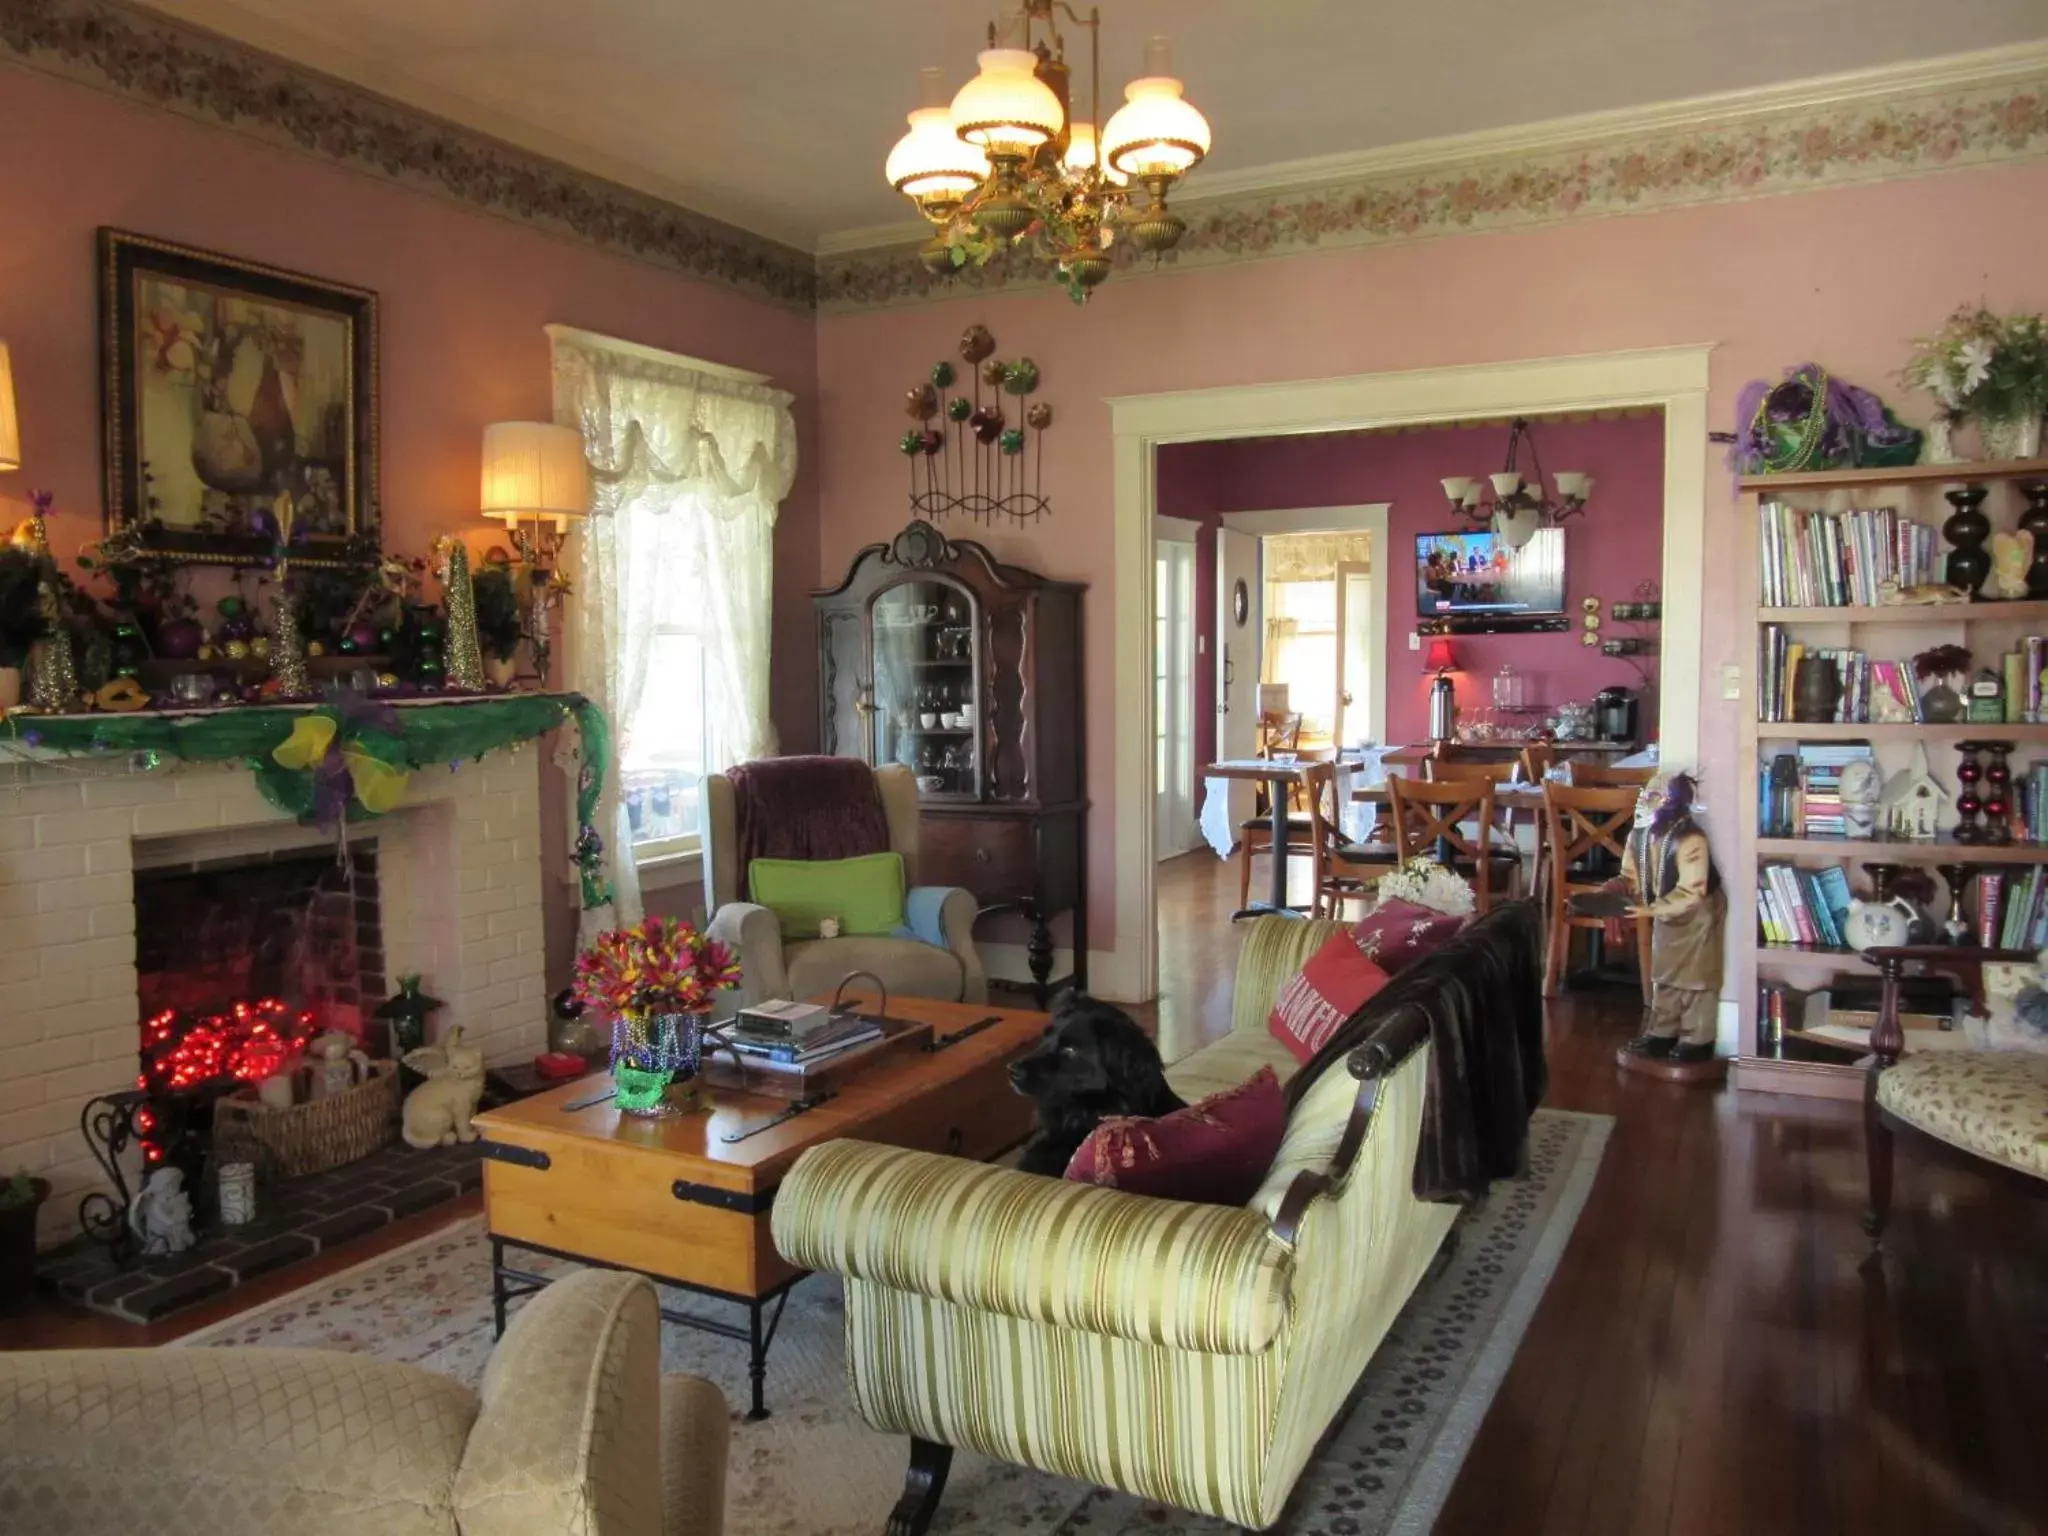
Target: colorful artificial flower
(662, 965)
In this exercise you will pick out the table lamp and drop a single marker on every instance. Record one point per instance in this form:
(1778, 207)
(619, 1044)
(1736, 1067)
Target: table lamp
(537, 483)
(10, 429)
(1443, 696)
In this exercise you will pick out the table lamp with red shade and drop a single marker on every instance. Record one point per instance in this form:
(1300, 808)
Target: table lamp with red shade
(1443, 697)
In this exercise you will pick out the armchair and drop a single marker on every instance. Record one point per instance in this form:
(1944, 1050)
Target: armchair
(932, 956)
(574, 1430)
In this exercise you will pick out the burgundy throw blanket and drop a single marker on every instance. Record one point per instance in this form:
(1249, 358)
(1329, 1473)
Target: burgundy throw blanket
(806, 808)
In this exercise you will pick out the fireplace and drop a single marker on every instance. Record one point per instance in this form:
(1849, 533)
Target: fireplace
(239, 962)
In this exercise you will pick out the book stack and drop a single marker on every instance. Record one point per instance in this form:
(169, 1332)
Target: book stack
(1840, 559)
(795, 1037)
(2030, 803)
(1820, 785)
(2024, 921)
(1805, 907)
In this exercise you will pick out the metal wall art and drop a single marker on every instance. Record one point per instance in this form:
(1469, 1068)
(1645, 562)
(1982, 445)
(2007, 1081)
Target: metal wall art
(977, 445)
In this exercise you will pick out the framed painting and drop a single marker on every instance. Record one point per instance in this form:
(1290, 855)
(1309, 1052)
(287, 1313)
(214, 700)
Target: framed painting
(225, 385)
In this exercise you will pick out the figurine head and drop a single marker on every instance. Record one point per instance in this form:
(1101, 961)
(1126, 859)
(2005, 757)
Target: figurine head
(1665, 799)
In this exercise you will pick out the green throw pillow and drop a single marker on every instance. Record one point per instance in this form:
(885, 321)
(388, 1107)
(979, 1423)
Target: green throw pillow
(865, 894)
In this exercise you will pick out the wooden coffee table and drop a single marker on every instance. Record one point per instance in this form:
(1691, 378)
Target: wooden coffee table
(566, 1174)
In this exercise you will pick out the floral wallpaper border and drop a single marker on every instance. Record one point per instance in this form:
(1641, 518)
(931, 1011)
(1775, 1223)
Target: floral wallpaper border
(1791, 150)
(203, 75)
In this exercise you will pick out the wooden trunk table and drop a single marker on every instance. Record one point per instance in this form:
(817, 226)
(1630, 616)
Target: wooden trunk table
(567, 1175)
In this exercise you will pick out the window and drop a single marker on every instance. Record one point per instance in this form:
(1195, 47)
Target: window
(666, 739)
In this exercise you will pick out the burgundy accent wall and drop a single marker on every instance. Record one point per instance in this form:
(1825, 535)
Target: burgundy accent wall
(463, 298)
(1609, 551)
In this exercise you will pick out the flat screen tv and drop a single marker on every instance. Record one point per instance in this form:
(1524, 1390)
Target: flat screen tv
(1474, 581)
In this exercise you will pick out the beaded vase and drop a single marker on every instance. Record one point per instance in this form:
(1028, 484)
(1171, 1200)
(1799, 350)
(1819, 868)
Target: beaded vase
(651, 1051)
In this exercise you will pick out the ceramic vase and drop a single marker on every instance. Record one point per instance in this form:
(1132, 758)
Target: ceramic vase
(2017, 437)
(1941, 704)
(1938, 443)
(2035, 521)
(1817, 690)
(1969, 562)
(651, 1051)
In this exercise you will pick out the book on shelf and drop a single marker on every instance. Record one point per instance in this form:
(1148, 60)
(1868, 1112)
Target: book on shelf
(1812, 559)
(1801, 907)
(1990, 904)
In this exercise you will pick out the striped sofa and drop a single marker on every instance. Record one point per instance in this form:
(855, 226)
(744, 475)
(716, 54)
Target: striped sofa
(1186, 1353)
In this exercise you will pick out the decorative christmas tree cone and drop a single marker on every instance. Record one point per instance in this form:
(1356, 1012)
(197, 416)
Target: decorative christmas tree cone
(464, 652)
(287, 645)
(53, 672)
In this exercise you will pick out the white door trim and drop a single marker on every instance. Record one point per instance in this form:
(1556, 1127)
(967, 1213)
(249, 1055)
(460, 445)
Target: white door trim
(1674, 378)
(1176, 530)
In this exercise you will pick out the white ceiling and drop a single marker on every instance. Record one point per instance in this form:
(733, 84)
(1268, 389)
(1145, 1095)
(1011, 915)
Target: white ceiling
(776, 114)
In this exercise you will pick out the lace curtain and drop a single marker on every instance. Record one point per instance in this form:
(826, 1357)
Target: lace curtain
(688, 469)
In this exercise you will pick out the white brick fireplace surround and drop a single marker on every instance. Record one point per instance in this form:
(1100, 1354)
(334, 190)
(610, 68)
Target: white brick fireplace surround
(459, 874)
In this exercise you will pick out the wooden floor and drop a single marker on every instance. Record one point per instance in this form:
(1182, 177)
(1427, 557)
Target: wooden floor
(1708, 1358)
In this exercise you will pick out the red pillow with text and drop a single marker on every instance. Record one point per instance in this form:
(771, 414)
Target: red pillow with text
(1339, 979)
(1212, 1153)
(1398, 933)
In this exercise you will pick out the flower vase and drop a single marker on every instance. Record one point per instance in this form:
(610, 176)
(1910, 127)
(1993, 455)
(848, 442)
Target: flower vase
(2013, 437)
(651, 1051)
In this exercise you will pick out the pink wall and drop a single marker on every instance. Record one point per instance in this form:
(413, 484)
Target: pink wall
(463, 295)
(1844, 276)
(1615, 546)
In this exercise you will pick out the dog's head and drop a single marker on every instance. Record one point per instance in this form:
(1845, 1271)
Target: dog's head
(1094, 1056)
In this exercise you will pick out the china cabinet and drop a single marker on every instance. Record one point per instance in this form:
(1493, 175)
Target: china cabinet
(934, 654)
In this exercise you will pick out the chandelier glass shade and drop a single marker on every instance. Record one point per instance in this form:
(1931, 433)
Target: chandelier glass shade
(1008, 161)
(1515, 505)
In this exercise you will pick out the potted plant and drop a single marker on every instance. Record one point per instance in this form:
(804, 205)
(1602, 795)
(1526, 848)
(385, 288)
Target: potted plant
(20, 1198)
(21, 617)
(657, 981)
(497, 622)
(1986, 368)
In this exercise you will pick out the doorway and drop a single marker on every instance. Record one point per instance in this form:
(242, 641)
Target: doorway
(1173, 672)
(1674, 379)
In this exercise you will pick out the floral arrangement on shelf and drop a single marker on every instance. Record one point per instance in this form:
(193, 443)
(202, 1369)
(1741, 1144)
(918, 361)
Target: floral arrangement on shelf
(1982, 367)
(1423, 882)
(662, 965)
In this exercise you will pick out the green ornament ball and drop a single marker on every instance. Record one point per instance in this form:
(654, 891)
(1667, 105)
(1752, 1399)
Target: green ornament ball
(959, 408)
(1012, 440)
(1020, 377)
(942, 373)
(911, 442)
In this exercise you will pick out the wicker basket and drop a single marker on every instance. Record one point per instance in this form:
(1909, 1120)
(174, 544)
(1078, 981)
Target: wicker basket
(311, 1138)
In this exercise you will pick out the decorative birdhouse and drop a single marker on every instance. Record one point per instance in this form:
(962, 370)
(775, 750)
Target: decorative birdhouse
(1913, 800)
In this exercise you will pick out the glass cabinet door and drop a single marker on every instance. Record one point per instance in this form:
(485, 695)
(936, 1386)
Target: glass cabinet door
(926, 712)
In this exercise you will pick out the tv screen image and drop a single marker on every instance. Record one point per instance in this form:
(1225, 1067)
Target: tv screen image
(1478, 575)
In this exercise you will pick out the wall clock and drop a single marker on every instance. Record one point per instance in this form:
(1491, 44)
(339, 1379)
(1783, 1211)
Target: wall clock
(1240, 603)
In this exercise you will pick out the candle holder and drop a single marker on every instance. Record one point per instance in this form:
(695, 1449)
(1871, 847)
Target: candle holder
(1881, 878)
(1998, 793)
(1969, 562)
(1955, 930)
(1969, 805)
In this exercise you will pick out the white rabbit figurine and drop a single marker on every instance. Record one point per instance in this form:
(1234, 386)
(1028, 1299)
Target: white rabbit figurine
(437, 1113)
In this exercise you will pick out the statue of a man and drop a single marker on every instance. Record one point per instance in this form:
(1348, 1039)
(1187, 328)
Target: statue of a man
(1668, 875)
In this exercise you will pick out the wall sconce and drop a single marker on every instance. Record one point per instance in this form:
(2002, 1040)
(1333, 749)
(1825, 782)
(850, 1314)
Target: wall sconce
(537, 483)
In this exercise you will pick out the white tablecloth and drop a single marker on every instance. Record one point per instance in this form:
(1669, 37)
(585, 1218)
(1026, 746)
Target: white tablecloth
(1356, 818)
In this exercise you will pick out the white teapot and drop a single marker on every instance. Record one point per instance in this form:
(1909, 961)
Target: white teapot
(1880, 924)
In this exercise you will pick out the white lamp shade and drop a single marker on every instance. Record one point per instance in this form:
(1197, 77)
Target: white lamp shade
(1506, 483)
(1517, 527)
(1457, 488)
(1006, 108)
(534, 470)
(1080, 154)
(1571, 484)
(10, 429)
(1155, 132)
(933, 162)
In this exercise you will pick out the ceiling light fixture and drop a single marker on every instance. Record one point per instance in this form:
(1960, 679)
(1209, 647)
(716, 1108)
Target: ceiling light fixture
(1006, 159)
(1520, 505)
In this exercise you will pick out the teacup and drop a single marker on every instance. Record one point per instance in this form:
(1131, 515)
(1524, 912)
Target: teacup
(928, 719)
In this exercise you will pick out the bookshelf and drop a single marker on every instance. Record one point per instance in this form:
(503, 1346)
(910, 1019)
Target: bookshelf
(1820, 1067)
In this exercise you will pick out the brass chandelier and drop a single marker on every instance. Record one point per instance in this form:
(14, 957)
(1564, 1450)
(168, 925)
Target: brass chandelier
(1006, 159)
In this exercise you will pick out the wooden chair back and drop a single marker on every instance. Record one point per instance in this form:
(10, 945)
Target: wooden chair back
(1429, 814)
(1605, 776)
(1582, 821)
(1537, 760)
(1279, 731)
(1453, 770)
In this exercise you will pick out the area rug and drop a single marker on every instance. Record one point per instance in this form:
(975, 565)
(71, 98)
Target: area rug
(813, 1469)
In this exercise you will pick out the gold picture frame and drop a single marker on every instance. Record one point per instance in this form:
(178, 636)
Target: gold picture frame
(224, 383)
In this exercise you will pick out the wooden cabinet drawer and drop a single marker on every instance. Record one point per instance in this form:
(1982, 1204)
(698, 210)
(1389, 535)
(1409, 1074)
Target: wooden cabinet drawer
(980, 1119)
(992, 856)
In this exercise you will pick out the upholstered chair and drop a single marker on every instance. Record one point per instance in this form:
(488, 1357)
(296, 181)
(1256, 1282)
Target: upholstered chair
(574, 1433)
(932, 955)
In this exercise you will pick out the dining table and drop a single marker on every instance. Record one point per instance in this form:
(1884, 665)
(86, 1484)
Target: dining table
(1280, 775)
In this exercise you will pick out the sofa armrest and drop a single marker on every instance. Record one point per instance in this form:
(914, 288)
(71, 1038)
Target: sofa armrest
(1274, 951)
(754, 933)
(1200, 1277)
(696, 1432)
(944, 915)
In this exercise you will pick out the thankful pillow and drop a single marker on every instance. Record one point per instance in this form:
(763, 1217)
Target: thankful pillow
(1212, 1153)
(1338, 980)
(1398, 933)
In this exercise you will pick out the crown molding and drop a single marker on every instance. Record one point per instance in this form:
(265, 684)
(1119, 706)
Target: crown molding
(1958, 112)
(138, 54)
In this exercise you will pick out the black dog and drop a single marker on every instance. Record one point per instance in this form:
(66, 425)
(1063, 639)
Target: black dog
(1094, 1062)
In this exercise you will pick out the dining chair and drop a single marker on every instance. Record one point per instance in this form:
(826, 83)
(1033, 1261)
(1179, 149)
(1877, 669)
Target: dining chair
(1455, 817)
(1279, 736)
(1585, 823)
(1537, 760)
(1496, 772)
(1345, 870)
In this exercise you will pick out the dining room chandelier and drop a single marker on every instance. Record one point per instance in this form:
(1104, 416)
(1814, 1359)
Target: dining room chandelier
(1519, 504)
(1006, 161)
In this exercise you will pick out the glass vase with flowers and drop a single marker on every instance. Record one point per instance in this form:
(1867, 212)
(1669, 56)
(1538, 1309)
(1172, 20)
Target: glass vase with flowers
(656, 980)
(1990, 369)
